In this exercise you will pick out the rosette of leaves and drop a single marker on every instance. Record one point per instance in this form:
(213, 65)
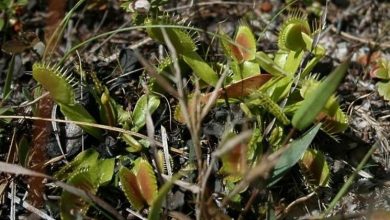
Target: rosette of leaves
(295, 41)
(139, 184)
(382, 72)
(112, 113)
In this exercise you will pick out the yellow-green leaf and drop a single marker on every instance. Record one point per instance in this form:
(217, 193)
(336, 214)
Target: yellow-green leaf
(312, 105)
(145, 103)
(384, 90)
(84, 159)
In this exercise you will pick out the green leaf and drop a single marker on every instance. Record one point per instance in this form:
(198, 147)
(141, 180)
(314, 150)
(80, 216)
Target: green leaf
(23, 148)
(6, 111)
(130, 187)
(180, 39)
(311, 106)
(381, 73)
(384, 89)
(184, 46)
(104, 170)
(1, 24)
(144, 104)
(132, 143)
(250, 69)
(267, 64)
(292, 155)
(77, 112)
(73, 206)
(22, 2)
(55, 82)
(8, 79)
(201, 69)
(84, 159)
(293, 61)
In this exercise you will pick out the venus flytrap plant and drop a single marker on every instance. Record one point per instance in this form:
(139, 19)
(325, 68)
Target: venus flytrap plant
(295, 39)
(288, 69)
(112, 113)
(138, 119)
(333, 118)
(59, 86)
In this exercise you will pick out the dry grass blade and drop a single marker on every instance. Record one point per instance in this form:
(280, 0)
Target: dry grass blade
(110, 128)
(18, 170)
(228, 146)
(153, 73)
(260, 171)
(31, 208)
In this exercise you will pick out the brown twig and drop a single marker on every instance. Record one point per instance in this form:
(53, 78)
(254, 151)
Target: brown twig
(294, 203)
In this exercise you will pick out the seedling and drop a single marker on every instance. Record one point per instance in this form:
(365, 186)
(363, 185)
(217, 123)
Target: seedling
(382, 71)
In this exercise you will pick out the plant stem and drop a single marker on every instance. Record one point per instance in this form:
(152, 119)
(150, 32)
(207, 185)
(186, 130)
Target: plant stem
(349, 182)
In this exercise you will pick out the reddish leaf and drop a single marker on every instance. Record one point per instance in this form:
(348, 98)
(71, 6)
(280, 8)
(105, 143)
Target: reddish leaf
(246, 86)
(130, 187)
(315, 168)
(234, 161)
(246, 42)
(146, 179)
(236, 90)
(237, 53)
